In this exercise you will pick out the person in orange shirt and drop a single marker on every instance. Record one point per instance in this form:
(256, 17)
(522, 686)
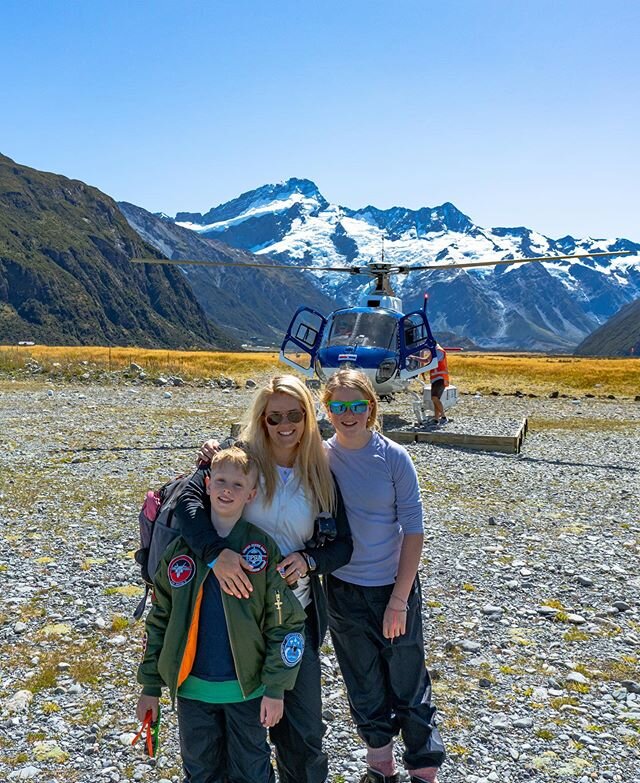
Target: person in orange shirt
(439, 381)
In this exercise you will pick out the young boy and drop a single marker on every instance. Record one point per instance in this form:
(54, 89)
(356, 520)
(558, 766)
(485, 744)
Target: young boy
(227, 660)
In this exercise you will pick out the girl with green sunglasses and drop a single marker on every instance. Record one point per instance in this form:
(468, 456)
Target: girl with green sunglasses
(374, 600)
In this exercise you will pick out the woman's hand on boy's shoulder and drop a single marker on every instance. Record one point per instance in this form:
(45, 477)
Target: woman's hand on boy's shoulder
(230, 568)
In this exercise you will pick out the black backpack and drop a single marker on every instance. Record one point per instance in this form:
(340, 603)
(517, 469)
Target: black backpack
(156, 531)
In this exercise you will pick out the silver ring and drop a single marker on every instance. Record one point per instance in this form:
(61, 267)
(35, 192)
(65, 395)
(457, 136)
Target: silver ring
(298, 572)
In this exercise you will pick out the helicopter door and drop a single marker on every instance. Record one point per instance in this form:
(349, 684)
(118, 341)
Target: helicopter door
(302, 340)
(417, 345)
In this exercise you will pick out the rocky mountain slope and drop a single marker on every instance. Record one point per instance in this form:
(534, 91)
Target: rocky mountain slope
(253, 304)
(619, 336)
(550, 307)
(66, 277)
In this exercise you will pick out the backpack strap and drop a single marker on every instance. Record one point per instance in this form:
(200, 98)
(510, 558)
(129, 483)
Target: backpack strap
(139, 611)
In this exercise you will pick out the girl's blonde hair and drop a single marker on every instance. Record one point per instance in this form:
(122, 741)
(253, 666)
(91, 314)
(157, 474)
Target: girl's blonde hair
(353, 379)
(311, 463)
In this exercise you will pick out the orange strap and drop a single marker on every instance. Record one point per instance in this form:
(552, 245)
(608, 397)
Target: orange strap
(146, 724)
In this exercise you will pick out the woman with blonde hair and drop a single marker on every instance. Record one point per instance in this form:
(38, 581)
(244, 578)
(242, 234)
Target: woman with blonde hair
(308, 456)
(375, 614)
(295, 487)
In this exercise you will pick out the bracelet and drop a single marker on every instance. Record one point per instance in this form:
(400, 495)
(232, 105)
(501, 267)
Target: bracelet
(397, 597)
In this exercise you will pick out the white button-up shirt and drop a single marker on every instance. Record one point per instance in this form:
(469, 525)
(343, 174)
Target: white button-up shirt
(288, 519)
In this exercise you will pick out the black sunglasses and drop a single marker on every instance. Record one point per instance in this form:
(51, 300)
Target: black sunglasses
(295, 417)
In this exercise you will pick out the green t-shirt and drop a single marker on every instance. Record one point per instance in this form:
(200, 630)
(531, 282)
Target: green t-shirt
(225, 692)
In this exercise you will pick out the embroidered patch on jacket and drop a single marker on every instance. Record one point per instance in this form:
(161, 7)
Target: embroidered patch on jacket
(181, 571)
(291, 649)
(256, 556)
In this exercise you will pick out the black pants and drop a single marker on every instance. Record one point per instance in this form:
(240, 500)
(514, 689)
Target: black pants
(298, 737)
(223, 743)
(387, 682)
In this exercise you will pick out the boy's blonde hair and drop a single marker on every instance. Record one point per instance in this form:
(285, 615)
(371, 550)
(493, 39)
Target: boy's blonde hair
(237, 458)
(353, 379)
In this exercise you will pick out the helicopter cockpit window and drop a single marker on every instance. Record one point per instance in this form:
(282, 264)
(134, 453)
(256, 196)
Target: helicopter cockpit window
(342, 329)
(366, 329)
(415, 331)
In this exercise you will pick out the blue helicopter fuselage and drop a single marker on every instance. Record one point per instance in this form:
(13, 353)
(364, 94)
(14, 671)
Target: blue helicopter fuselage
(377, 338)
(367, 339)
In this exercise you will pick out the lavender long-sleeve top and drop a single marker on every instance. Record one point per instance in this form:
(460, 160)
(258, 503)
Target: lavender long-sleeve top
(382, 498)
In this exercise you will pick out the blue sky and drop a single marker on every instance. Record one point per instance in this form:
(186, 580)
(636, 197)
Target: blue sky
(520, 112)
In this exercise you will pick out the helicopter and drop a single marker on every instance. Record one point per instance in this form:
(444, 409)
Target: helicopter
(375, 336)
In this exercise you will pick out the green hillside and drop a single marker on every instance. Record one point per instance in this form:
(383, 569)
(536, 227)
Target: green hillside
(66, 278)
(619, 336)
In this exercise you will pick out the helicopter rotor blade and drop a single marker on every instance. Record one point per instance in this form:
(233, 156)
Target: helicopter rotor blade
(199, 262)
(506, 261)
(375, 269)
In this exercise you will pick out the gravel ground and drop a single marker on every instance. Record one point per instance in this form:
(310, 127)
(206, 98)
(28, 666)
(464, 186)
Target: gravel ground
(530, 580)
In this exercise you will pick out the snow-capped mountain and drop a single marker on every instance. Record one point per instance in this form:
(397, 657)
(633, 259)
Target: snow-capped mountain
(550, 307)
(253, 305)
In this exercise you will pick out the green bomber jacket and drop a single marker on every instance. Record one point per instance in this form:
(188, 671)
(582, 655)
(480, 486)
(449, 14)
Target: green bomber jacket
(266, 630)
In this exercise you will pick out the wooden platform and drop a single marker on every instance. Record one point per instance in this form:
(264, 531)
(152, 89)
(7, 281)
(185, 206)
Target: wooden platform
(508, 444)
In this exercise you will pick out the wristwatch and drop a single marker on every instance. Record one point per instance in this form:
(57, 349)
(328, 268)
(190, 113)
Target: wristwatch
(311, 563)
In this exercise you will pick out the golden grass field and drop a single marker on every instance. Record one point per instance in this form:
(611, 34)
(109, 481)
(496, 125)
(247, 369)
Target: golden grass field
(471, 372)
